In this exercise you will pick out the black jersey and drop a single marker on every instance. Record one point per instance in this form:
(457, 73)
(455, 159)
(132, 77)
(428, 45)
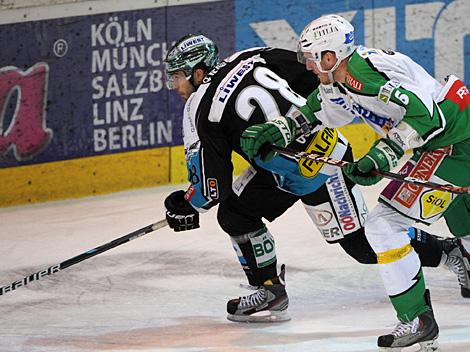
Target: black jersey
(248, 88)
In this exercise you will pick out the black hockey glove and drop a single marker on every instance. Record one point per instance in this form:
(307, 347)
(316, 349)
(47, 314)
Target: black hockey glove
(181, 216)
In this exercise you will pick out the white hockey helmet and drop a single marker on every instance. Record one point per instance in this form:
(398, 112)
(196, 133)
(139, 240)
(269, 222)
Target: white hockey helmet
(326, 33)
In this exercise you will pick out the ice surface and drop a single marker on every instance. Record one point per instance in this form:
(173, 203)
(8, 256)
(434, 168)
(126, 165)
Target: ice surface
(167, 291)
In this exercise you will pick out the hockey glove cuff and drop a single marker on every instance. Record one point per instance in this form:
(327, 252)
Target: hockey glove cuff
(383, 155)
(180, 215)
(279, 132)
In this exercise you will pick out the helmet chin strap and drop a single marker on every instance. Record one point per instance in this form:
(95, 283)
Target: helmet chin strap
(330, 71)
(190, 79)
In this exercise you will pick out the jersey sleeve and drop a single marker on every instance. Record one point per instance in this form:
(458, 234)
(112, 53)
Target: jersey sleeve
(419, 124)
(209, 173)
(284, 63)
(392, 78)
(327, 105)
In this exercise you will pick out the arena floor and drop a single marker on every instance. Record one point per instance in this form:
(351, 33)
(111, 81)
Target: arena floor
(167, 291)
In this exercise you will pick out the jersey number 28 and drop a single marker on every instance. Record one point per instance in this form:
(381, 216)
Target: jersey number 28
(267, 79)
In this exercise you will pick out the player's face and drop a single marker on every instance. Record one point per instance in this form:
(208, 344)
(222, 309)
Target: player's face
(327, 62)
(179, 82)
(311, 65)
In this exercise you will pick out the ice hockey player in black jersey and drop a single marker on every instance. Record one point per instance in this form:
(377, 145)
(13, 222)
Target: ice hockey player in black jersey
(224, 98)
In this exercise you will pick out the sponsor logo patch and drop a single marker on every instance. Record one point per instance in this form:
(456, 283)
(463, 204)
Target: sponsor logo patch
(434, 203)
(213, 188)
(386, 90)
(385, 123)
(323, 143)
(263, 249)
(190, 193)
(234, 77)
(323, 217)
(353, 82)
(242, 181)
(327, 90)
(323, 30)
(424, 169)
(189, 43)
(349, 37)
(459, 94)
(342, 203)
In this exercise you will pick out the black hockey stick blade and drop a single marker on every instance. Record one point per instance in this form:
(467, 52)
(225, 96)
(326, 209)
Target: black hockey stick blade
(297, 155)
(81, 257)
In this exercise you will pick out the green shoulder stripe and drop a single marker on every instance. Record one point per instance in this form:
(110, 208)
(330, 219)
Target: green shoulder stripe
(362, 77)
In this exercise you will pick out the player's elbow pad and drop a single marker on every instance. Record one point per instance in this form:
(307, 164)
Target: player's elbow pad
(405, 136)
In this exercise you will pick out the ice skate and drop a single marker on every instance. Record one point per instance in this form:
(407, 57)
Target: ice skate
(458, 261)
(268, 304)
(423, 330)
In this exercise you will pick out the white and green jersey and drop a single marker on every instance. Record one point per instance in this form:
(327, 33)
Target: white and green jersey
(397, 98)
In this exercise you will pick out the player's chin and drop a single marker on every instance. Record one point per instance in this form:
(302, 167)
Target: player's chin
(324, 80)
(184, 95)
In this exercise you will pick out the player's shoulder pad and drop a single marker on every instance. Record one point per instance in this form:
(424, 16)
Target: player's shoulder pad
(236, 55)
(378, 60)
(228, 85)
(373, 53)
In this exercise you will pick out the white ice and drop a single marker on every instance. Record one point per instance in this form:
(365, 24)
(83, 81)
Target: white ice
(167, 291)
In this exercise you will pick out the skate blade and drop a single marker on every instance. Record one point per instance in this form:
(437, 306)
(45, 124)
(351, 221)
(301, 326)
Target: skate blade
(429, 346)
(426, 346)
(261, 317)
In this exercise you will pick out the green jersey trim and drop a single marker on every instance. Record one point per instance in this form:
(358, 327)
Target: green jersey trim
(371, 65)
(417, 115)
(371, 80)
(312, 106)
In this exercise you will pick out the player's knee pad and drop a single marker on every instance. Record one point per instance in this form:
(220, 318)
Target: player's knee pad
(224, 218)
(386, 229)
(232, 221)
(256, 252)
(430, 248)
(357, 246)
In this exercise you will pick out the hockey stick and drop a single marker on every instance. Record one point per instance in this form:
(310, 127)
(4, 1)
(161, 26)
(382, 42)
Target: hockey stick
(81, 257)
(390, 175)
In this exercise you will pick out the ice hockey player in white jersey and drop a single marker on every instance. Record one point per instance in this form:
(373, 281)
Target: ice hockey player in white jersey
(411, 111)
(222, 100)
